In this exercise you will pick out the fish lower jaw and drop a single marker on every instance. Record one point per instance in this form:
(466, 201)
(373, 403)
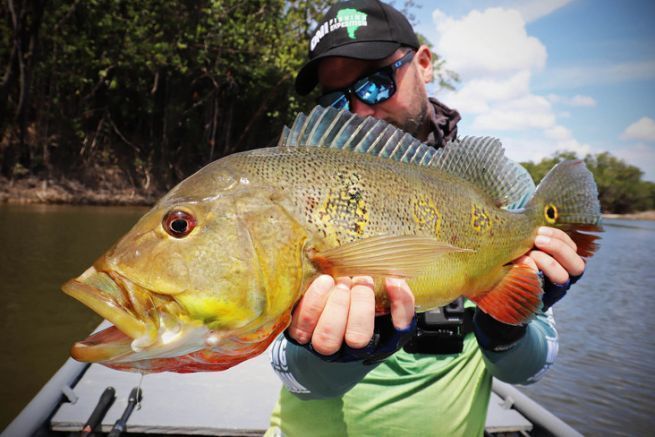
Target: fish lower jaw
(168, 344)
(135, 334)
(142, 343)
(113, 346)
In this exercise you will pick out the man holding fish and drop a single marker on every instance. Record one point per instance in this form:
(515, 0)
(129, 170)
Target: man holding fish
(337, 361)
(350, 217)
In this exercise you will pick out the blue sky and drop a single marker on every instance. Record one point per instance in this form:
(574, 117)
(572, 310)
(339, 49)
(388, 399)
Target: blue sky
(548, 75)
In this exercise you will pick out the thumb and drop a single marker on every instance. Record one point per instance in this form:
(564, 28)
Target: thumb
(401, 301)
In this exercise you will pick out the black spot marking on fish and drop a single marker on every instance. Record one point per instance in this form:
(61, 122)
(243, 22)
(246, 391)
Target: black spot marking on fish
(344, 208)
(480, 218)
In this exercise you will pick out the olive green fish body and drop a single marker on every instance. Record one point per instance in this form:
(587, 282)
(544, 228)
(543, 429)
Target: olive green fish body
(341, 196)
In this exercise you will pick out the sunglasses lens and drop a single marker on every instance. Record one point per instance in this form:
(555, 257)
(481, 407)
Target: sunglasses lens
(336, 99)
(376, 88)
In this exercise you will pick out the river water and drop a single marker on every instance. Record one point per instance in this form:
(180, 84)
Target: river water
(603, 382)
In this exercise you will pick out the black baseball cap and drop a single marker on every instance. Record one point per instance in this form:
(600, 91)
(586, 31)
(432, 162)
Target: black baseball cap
(359, 29)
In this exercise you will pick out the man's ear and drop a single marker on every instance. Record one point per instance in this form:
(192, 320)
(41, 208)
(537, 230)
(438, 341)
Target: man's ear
(423, 59)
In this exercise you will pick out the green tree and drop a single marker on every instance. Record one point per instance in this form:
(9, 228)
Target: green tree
(620, 187)
(149, 88)
(539, 170)
(139, 94)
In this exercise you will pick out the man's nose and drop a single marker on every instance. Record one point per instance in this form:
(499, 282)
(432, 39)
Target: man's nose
(360, 108)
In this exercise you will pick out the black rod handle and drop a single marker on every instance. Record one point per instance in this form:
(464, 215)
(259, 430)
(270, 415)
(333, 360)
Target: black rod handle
(121, 424)
(104, 403)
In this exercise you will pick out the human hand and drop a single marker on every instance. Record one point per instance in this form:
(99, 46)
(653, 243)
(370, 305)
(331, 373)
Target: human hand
(333, 312)
(558, 260)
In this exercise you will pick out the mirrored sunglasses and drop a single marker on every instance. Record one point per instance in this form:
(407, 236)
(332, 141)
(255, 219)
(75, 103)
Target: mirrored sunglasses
(376, 87)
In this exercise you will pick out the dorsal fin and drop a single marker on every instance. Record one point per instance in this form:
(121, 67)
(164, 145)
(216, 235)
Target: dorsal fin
(480, 160)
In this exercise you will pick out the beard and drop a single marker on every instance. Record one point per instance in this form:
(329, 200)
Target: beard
(416, 120)
(415, 123)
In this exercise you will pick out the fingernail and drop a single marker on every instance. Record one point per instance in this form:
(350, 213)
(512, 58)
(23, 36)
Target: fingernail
(541, 240)
(324, 281)
(362, 280)
(395, 282)
(343, 287)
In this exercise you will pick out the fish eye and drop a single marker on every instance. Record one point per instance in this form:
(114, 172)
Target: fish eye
(550, 213)
(178, 223)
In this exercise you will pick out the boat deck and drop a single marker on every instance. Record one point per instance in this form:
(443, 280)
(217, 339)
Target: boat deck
(234, 402)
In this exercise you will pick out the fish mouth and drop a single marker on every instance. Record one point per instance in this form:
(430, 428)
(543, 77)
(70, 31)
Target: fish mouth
(144, 324)
(107, 345)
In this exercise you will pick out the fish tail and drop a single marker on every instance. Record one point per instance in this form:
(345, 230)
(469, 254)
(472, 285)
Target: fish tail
(567, 198)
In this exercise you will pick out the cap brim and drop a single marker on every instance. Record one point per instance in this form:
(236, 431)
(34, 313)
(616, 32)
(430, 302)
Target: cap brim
(307, 77)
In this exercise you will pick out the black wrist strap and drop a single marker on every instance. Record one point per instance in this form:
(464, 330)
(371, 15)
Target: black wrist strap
(493, 335)
(555, 292)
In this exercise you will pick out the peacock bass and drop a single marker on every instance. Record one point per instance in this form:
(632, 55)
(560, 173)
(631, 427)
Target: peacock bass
(209, 276)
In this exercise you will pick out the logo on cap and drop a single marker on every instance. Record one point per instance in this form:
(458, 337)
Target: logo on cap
(350, 19)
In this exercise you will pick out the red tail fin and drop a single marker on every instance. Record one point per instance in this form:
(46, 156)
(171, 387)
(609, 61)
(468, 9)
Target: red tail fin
(586, 242)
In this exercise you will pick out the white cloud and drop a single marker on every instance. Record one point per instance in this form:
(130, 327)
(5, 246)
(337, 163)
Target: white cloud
(640, 155)
(573, 145)
(476, 95)
(559, 133)
(533, 148)
(532, 10)
(525, 112)
(580, 100)
(641, 130)
(573, 77)
(521, 149)
(496, 58)
(577, 100)
(491, 42)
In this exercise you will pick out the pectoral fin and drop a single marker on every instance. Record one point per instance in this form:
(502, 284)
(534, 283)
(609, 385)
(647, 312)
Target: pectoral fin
(399, 256)
(515, 299)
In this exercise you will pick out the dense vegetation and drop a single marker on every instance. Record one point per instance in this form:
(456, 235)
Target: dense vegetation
(147, 91)
(154, 89)
(620, 187)
(114, 93)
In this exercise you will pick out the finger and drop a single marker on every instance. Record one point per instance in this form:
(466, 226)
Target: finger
(526, 260)
(361, 316)
(401, 301)
(309, 309)
(562, 252)
(345, 280)
(331, 327)
(550, 267)
(559, 234)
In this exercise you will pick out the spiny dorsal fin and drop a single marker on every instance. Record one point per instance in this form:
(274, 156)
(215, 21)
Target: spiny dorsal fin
(481, 161)
(284, 138)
